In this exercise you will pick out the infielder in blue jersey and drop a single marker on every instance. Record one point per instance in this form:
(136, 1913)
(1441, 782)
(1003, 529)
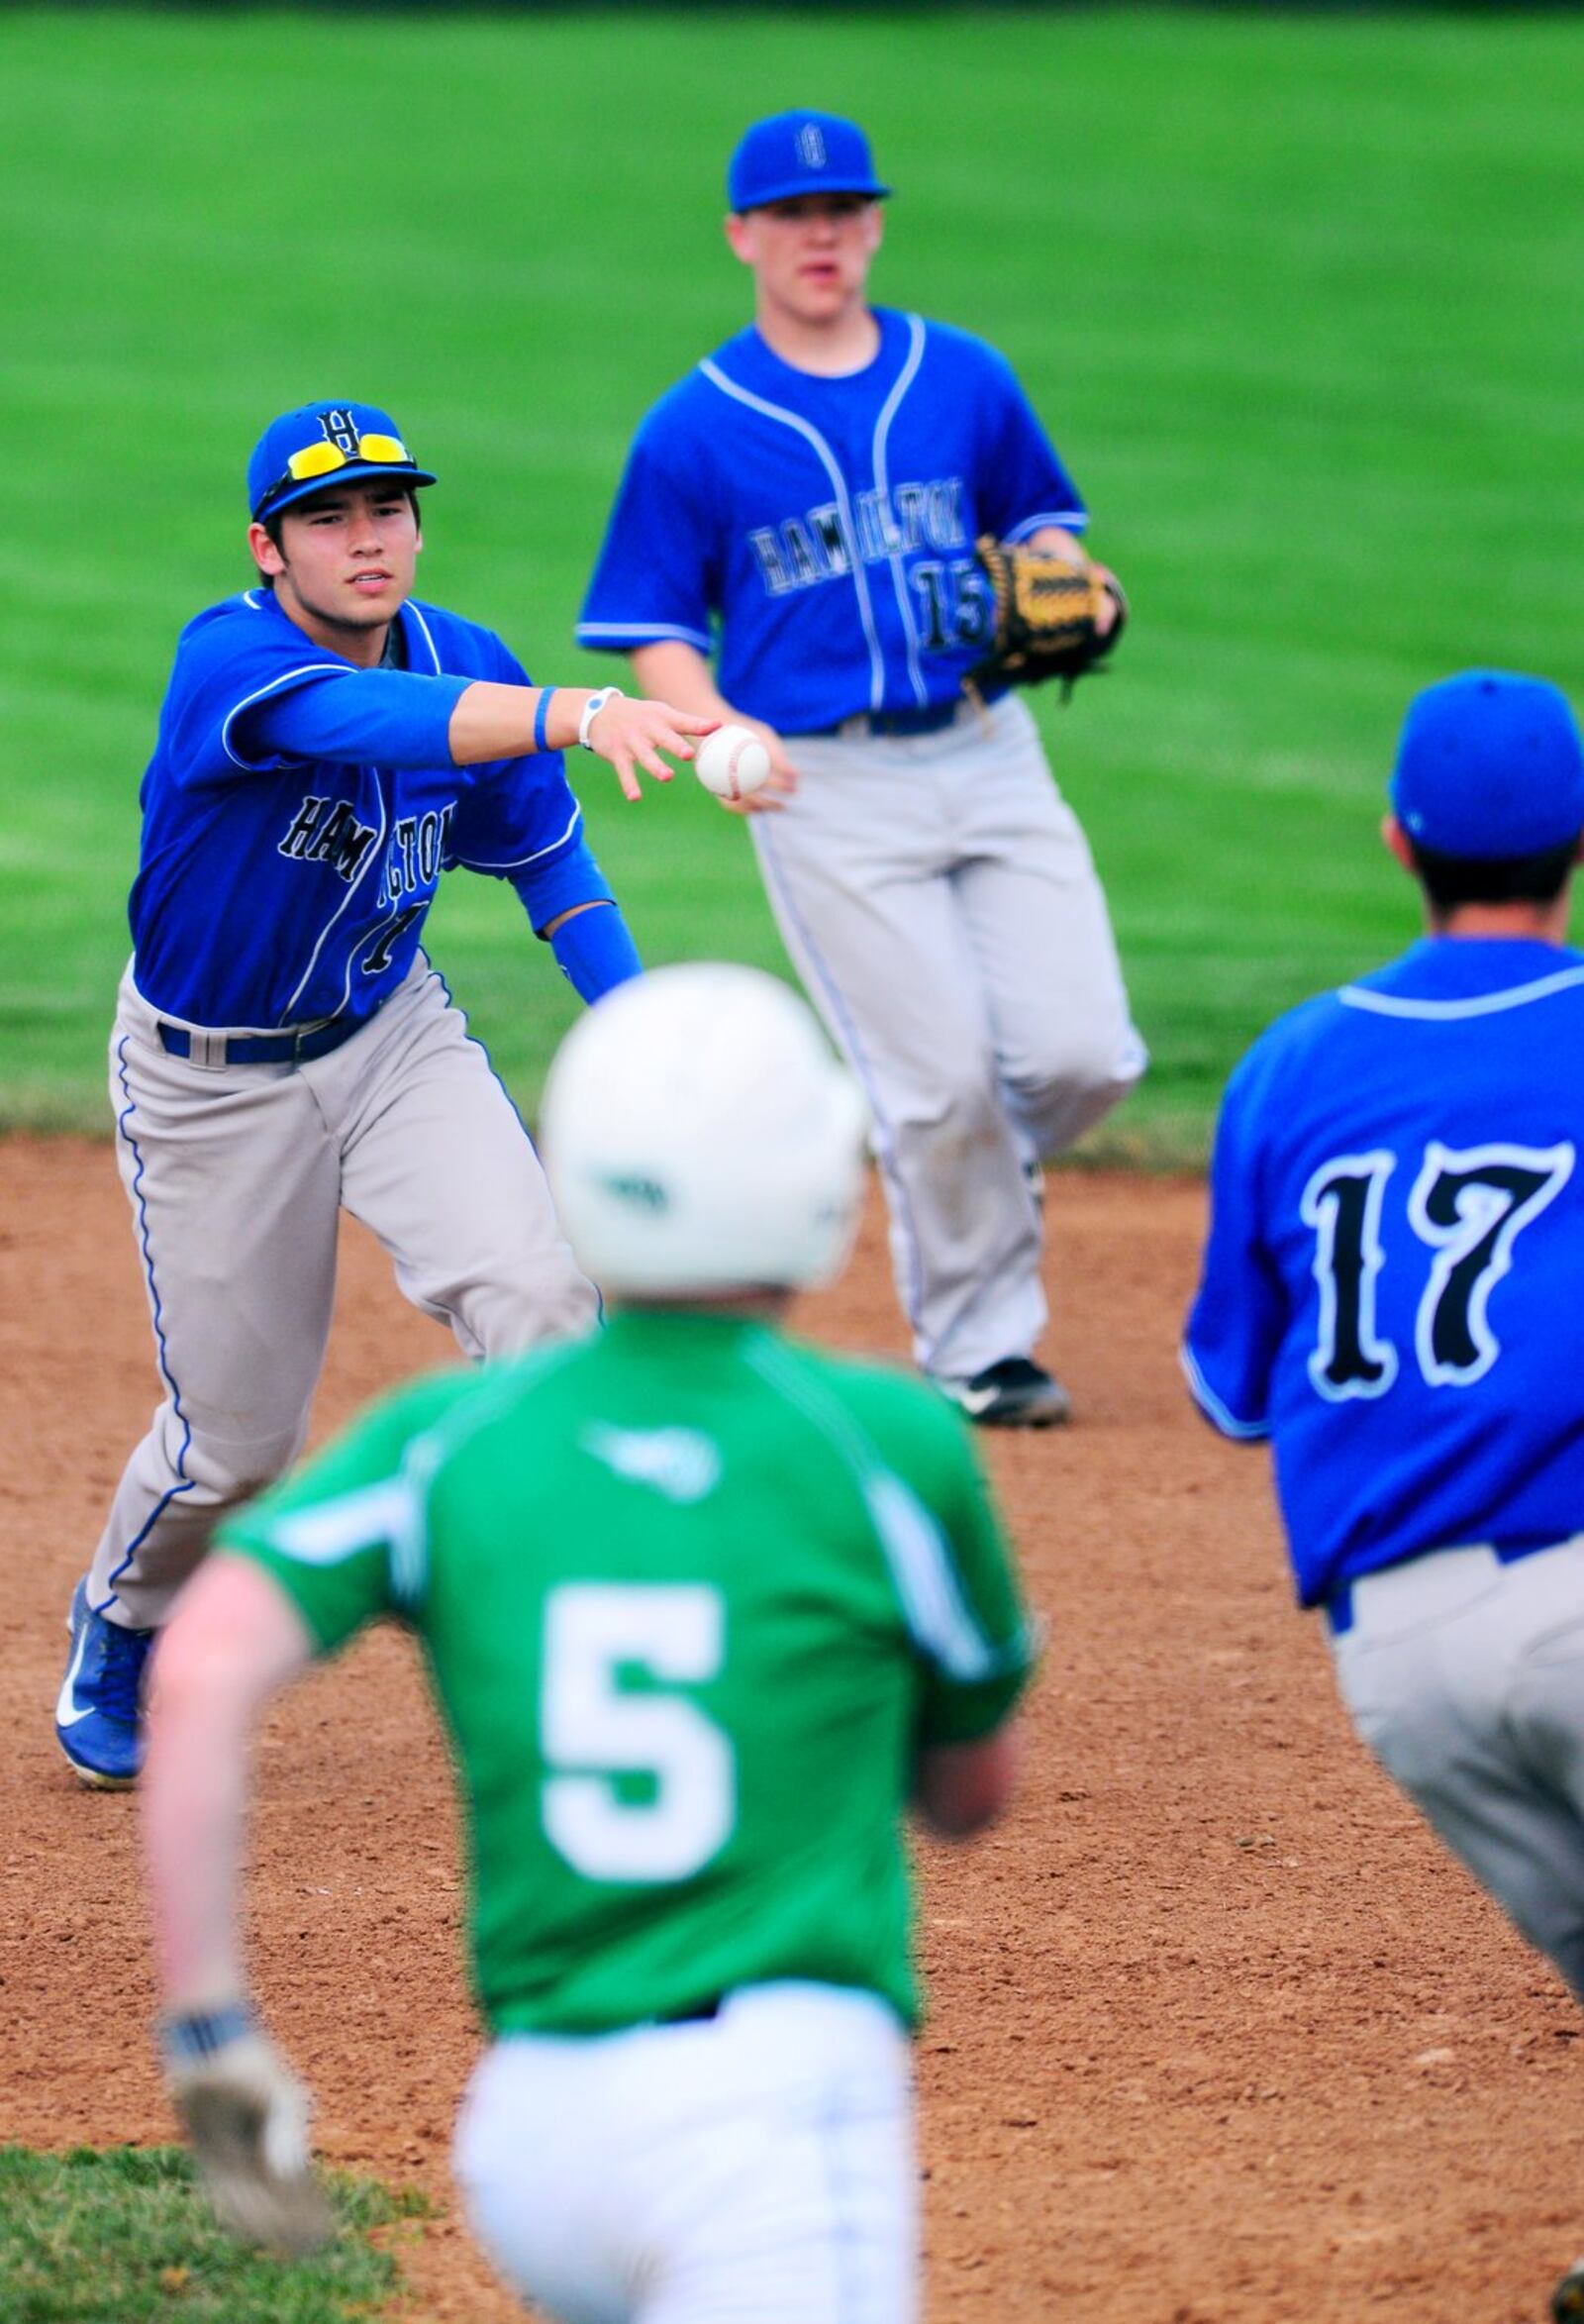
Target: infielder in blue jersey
(1391, 1295)
(282, 1048)
(804, 506)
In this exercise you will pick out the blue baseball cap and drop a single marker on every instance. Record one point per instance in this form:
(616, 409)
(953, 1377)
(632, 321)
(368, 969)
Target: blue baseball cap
(795, 153)
(1490, 765)
(320, 443)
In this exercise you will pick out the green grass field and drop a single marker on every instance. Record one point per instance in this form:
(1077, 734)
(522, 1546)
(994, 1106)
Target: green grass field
(122, 2237)
(1297, 296)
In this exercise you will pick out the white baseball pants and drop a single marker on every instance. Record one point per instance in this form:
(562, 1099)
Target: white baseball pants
(940, 902)
(1466, 1678)
(237, 1176)
(757, 2169)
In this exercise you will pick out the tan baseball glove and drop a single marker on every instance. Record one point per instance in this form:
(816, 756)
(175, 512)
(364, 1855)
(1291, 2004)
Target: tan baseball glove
(1049, 616)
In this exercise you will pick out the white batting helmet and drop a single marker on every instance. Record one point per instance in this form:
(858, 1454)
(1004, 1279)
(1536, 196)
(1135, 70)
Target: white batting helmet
(699, 1135)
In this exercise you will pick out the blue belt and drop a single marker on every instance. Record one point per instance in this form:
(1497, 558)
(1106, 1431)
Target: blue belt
(261, 1048)
(1339, 1607)
(931, 720)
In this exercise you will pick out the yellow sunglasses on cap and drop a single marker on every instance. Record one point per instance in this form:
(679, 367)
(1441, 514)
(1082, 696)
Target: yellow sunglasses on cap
(324, 457)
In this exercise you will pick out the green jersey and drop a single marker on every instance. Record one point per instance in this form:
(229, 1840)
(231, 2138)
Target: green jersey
(692, 1596)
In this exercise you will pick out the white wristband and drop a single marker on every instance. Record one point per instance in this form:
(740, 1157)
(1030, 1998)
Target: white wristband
(591, 710)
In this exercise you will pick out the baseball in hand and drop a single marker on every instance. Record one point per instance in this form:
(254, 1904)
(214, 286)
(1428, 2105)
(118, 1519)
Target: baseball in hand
(731, 762)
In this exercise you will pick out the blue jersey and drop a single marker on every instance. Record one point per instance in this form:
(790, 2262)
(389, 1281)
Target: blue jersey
(298, 812)
(1391, 1285)
(827, 525)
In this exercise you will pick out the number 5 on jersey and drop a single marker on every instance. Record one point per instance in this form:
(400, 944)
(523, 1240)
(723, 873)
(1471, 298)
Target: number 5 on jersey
(1469, 1208)
(594, 1731)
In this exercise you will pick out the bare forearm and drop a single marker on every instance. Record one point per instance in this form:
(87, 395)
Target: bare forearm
(193, 1828)
(674, 671)
(233, 1641)
(509, 721)
(497, 722)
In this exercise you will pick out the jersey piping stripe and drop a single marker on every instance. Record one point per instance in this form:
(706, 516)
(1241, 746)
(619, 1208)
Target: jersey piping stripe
(850, 532)
(157, 1312)
(394, 1512)
(335, 669)
(387, 1513)
(822, 979)
(589, 631)
(1485, 1004)
(1220, 1416)
(882, 482)
(429, 639)
(939, 1616)
(1071, 520)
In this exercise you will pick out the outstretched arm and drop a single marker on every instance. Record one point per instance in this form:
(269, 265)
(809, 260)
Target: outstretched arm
(492, 721)
(401, 718)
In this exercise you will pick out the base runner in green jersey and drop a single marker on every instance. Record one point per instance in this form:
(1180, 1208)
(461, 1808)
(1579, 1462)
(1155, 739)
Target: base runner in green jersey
(705, 1611)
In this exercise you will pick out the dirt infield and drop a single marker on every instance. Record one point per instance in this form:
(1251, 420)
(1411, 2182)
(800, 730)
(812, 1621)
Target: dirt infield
(1218, 2035)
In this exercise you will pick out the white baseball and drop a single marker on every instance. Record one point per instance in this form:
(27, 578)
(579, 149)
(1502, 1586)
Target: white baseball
(731, 762)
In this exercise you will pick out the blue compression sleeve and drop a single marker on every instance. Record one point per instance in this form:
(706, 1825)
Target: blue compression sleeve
(394, 717)
(596, 951)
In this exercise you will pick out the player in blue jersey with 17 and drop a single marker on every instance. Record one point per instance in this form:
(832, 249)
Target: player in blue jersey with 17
(1390, 1293)
(814, 492)
(282, 1048)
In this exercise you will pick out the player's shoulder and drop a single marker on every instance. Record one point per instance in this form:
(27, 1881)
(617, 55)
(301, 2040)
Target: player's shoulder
(1284, 1057)
(1297, 1031)
(689, 412)
(441, 641)
(248, 618)
(907, 1422)
(246, 638)
(952, 339)
(434, 1417)
(948, 347)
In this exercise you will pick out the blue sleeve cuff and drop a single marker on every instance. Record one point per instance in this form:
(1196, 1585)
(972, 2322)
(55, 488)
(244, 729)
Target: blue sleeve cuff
(596, 951)
(559, 878)
(1216, 1409)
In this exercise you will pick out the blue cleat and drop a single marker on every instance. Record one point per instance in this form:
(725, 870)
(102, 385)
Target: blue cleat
(97, 1717)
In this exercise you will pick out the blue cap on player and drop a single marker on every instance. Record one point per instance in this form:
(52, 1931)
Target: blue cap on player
(795, 153)
(321, 444)
(1490, 765)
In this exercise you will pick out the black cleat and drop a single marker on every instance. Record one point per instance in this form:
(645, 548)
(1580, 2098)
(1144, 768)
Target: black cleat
(1013, 1394)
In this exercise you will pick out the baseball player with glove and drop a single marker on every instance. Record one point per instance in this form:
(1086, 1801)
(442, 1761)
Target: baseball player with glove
(282, 1048)
(834, 489)
(1390, 1294)
(766, 1606)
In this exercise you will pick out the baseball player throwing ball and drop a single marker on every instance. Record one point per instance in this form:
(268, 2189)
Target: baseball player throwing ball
(766, 1605)
(1389, 1294)
(817, 487)
(282, 1048)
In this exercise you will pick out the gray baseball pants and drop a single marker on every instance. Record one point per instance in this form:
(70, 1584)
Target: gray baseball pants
(1466, 1678)
(237, 1176)
(940, 902)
